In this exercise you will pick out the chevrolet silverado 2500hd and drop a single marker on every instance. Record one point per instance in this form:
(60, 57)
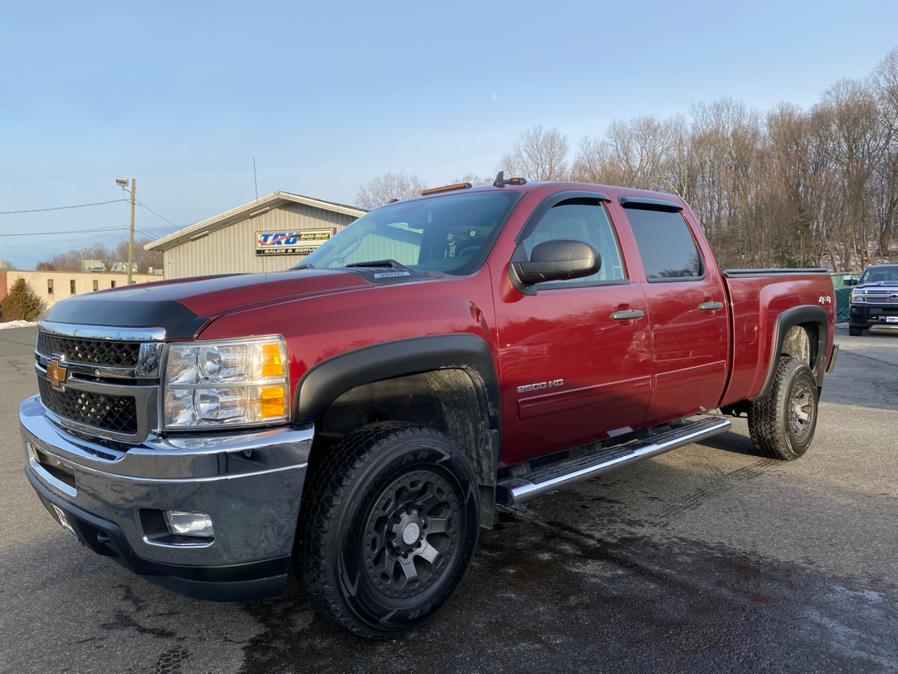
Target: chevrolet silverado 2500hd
(356, 420)
(874, 299)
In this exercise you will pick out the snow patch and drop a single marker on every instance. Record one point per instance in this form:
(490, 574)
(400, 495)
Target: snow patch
(17, 324)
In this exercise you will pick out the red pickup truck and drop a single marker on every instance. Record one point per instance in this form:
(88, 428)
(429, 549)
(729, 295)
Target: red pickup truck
(355, 421)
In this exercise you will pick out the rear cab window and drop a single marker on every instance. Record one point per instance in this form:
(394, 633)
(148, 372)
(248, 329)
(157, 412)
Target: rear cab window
(668, 249)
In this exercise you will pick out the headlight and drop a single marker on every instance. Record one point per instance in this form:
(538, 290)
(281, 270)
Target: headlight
(226, 383)
(858, 296)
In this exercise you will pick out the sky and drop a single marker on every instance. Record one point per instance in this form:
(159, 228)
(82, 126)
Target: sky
(324, 96)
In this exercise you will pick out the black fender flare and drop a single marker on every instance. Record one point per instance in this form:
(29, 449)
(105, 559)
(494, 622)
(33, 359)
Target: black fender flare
(330, 379)
(800, 315)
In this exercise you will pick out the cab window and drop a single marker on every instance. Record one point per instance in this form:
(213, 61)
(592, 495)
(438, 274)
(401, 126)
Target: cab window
(583, 220)
(668, 251)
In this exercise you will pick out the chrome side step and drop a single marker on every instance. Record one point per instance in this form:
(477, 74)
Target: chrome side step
(537, 482)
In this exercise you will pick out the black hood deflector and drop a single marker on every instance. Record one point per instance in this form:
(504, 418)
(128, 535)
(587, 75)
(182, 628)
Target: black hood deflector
(179, 322)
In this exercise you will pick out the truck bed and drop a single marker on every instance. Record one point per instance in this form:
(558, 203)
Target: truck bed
(758, 299)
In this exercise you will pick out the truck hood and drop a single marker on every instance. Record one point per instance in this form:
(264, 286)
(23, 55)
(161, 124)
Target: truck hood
(184, 307)
(880, 285)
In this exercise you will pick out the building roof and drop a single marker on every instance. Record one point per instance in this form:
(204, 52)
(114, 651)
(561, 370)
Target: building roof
(246, 210)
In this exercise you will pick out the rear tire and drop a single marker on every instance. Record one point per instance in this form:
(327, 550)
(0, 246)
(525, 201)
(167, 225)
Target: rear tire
(782, 422)
(388, 527)
(855, 331)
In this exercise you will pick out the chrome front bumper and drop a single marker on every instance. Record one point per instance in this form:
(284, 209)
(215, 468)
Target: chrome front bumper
(249, 483)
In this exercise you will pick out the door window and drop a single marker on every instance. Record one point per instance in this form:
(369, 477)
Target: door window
(583, 220)
(666, 245)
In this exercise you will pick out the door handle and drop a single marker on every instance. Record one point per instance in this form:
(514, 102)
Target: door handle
(627, 315)
(711, 306)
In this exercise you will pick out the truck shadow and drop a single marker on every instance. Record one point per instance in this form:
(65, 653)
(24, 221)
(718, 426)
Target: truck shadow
(731, 441)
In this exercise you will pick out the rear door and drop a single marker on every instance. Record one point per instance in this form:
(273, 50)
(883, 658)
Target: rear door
(574, 369)
(687, 312)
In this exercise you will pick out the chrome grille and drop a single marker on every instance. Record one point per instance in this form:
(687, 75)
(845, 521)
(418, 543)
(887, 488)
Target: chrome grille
(117, 414)
(882, 297)
(89, 351)
(109, 386)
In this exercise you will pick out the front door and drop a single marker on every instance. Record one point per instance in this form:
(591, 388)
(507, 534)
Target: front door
(690, 331)
(574, 355)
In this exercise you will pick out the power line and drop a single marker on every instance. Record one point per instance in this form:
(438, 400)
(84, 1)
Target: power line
(62, 208)
(158, 215)
(68, 231)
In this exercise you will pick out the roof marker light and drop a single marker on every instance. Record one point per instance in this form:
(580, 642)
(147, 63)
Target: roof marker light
(447, 188)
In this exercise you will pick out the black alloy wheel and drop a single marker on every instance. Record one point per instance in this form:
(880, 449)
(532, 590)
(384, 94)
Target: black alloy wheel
(410, 536)
(388, 526)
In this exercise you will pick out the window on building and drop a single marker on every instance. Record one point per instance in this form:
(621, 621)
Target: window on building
(49, 286)
(112, 284)
(666, 245)
(96, 285)
(71, 286)
(583, 220)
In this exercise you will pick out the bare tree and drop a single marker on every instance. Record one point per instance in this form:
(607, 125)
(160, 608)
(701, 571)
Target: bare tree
(388, 186)
(71, 261)
(885, 181)
(858, 147)
(590, 164)
(635, 153)
(539, 154)
(474, 179)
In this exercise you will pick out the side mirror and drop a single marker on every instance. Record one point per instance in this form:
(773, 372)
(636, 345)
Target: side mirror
(849, 282)
(557, 261)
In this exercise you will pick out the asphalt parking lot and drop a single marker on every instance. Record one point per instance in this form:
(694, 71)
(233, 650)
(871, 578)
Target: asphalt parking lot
(706, 559)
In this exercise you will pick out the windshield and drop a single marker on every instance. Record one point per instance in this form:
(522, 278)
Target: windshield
(449, 234)
(879, 274)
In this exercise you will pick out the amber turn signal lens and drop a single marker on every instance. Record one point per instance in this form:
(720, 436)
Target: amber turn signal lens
(273, 402)
(272, 360)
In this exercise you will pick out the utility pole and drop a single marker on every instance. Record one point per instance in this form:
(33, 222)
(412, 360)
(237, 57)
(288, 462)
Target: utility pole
(122, 182)
(131, 239)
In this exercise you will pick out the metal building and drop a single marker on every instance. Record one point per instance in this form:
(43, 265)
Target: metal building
(271, 234)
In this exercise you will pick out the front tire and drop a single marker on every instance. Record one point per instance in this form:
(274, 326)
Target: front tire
(389, 525)
(855, 330)
(782, 422)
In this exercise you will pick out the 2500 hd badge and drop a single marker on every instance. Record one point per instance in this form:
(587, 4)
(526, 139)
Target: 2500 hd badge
(540, 385)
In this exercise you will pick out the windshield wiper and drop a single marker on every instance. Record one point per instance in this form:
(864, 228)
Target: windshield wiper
(389, 264)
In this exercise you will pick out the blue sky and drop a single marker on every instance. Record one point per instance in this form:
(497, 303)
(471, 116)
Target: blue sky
(184, 95)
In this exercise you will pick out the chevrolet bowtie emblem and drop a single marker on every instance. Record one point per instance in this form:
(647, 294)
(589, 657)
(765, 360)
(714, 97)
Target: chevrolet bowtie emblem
(57, 374)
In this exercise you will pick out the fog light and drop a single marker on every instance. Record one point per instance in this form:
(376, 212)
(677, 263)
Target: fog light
(183, 523)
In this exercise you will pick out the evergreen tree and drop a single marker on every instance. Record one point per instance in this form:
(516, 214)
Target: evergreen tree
(21, 303)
